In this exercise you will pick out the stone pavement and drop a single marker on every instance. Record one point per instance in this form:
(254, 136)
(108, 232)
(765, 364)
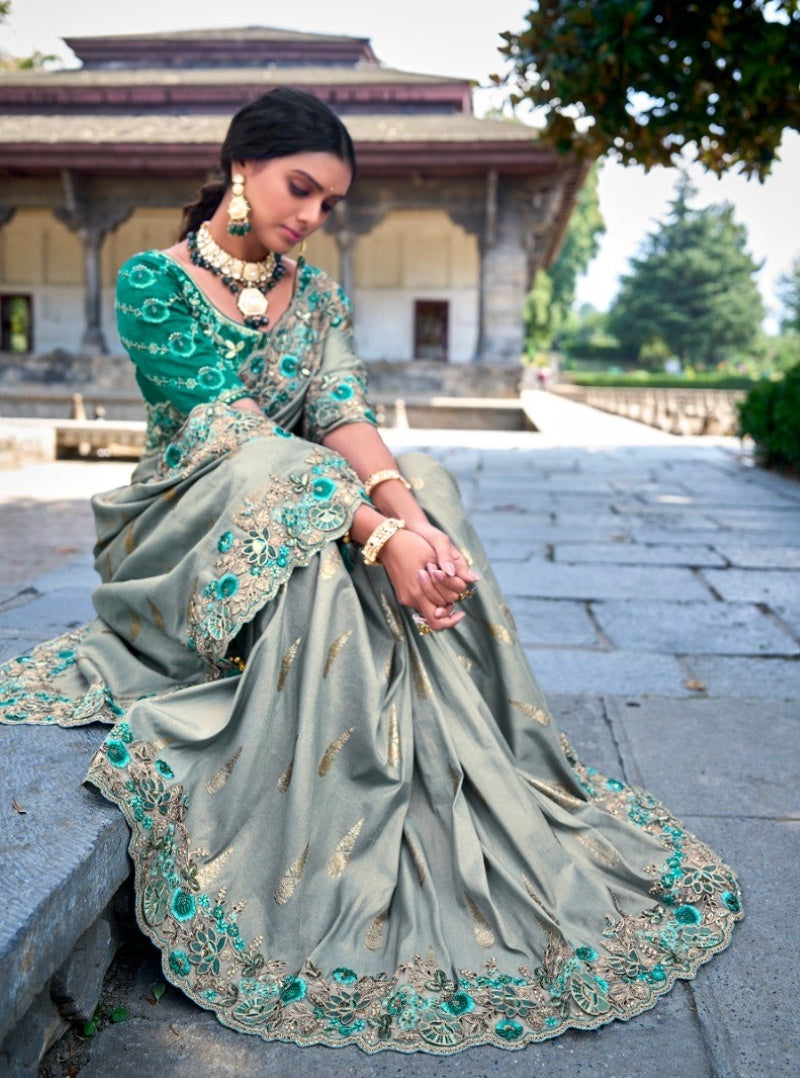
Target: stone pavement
(656, 587)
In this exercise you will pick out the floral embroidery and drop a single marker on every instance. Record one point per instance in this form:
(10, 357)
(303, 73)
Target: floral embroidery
(417, 1006)
(278, 528)
(28, 692)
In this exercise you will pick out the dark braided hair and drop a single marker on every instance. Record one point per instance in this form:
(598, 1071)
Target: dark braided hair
(280, 123)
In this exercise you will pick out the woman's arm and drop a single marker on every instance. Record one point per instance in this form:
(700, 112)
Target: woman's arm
(427, 571)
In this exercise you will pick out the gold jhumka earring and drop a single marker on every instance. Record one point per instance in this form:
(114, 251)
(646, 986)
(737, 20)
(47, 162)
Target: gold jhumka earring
(238, 208)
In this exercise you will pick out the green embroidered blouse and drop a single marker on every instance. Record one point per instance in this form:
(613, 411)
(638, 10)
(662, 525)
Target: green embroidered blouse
(187, 352)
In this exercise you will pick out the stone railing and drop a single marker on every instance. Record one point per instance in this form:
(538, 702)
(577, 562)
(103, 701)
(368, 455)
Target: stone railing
(677, 411)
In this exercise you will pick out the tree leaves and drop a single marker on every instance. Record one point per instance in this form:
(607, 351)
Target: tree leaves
(644, 79)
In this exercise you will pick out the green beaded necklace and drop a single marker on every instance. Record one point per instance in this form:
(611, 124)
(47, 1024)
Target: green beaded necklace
(248, 281)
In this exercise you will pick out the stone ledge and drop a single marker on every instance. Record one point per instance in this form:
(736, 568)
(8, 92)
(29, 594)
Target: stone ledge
(65, 859)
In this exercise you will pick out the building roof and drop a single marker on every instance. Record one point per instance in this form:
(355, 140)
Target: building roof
(248, 45)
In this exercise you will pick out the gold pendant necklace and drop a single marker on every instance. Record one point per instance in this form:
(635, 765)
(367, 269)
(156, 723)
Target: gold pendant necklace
(248, 281)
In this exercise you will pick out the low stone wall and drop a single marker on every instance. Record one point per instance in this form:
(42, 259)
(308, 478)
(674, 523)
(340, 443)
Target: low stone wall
(676, 411)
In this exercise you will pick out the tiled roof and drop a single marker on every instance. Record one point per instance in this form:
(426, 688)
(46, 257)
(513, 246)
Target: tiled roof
(272, 75)
(239, 33)
(210, 130)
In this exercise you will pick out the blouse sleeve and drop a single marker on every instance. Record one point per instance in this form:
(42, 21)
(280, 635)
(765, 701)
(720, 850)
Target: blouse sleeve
(337, 394)
(181, 353)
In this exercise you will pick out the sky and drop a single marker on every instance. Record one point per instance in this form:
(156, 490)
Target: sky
(450, 37)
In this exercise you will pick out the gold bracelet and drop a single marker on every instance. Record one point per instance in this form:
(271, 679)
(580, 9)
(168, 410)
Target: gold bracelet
(376, 478)
(382, 534)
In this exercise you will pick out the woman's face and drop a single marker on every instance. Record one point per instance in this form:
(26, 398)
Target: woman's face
(291, 197)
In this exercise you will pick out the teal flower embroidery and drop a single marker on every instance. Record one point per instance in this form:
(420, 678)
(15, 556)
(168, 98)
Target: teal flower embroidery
(731, 901)
(344, 975)
(281, 432)
(508, 1029)
(688, 915)
(258, 549)
(210, 377)
(586, 954)
(225, 542)
(288, 366)
(116, 753)
(154, 311)
(657, 974)
(227, 586)
(459, 1003)
(141, 277)
(615, 785)
(323, 489)
(293, 990)
(342, 392)
(181, 344)
(257, 364)
(172, 455)
(163, 768)
(179, 963)
(552, 1022)
(183, 905)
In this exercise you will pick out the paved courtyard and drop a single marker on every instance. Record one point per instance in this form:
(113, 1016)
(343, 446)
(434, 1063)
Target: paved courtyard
(656, 585)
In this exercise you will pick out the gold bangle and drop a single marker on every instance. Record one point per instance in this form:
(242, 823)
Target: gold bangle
(376, 478)
(382, 534)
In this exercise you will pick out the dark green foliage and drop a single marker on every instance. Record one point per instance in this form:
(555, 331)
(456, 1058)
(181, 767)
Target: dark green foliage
(691, 289)
(655, 76)
(789, 293)
(657, 380)
(770, 414)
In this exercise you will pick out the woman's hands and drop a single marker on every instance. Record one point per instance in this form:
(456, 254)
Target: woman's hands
(421, 581)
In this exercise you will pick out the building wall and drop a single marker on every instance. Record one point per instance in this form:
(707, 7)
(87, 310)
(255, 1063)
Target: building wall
(414, 255)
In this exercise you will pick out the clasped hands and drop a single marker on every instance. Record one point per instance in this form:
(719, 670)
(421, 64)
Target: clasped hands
(428, 573)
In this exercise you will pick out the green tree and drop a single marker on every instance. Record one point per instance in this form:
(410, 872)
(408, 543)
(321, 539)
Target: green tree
(692, 286)
(20, 63)
(552, 297)
(644, 79)
(789, 295)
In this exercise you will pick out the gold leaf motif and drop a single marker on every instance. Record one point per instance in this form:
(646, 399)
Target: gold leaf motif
(335, 648)
(508, 616)
(560, 794)
(329, 564)
(421, 681)
(484, 936)
(161, 743)
(373, 940)
(168, 495)
(333, 751)
(465, 662)
(286, 662)
(130, 540)
(601, 851)
(499, 632)
(136, 625)
(285, 779)
(417, 858)
(393, 753)
(216, 782)
(538, 714)
(387, 670)
(156, 615)
(341, 855)
(392, 620)
(287, 885)
(540, 902)
(206, 874)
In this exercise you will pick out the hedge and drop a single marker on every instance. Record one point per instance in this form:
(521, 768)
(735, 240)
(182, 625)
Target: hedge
(770, 414)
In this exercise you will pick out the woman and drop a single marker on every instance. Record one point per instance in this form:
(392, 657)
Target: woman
(353, 821)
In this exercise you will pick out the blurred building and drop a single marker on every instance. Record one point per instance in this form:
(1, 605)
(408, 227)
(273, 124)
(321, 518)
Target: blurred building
(437, 243)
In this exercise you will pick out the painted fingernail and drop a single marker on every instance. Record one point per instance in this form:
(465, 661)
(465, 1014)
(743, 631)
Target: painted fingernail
(449, 568)
(421, 574)
(440, 612)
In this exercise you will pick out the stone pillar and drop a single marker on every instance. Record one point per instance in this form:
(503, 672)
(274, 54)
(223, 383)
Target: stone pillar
(91, 217)
(342, 232)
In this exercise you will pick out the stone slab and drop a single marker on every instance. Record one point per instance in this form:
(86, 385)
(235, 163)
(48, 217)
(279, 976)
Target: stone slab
(637, 554)
(550, 622)
(574, 670)
(692, 628)
(689, 753)
(764, 679)
(789, 613)
(755, 585)
(551, 581)
(761, 556)
(63, 860)
(584, 721)
(52, 613)
(764, 521)
(746, 999)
